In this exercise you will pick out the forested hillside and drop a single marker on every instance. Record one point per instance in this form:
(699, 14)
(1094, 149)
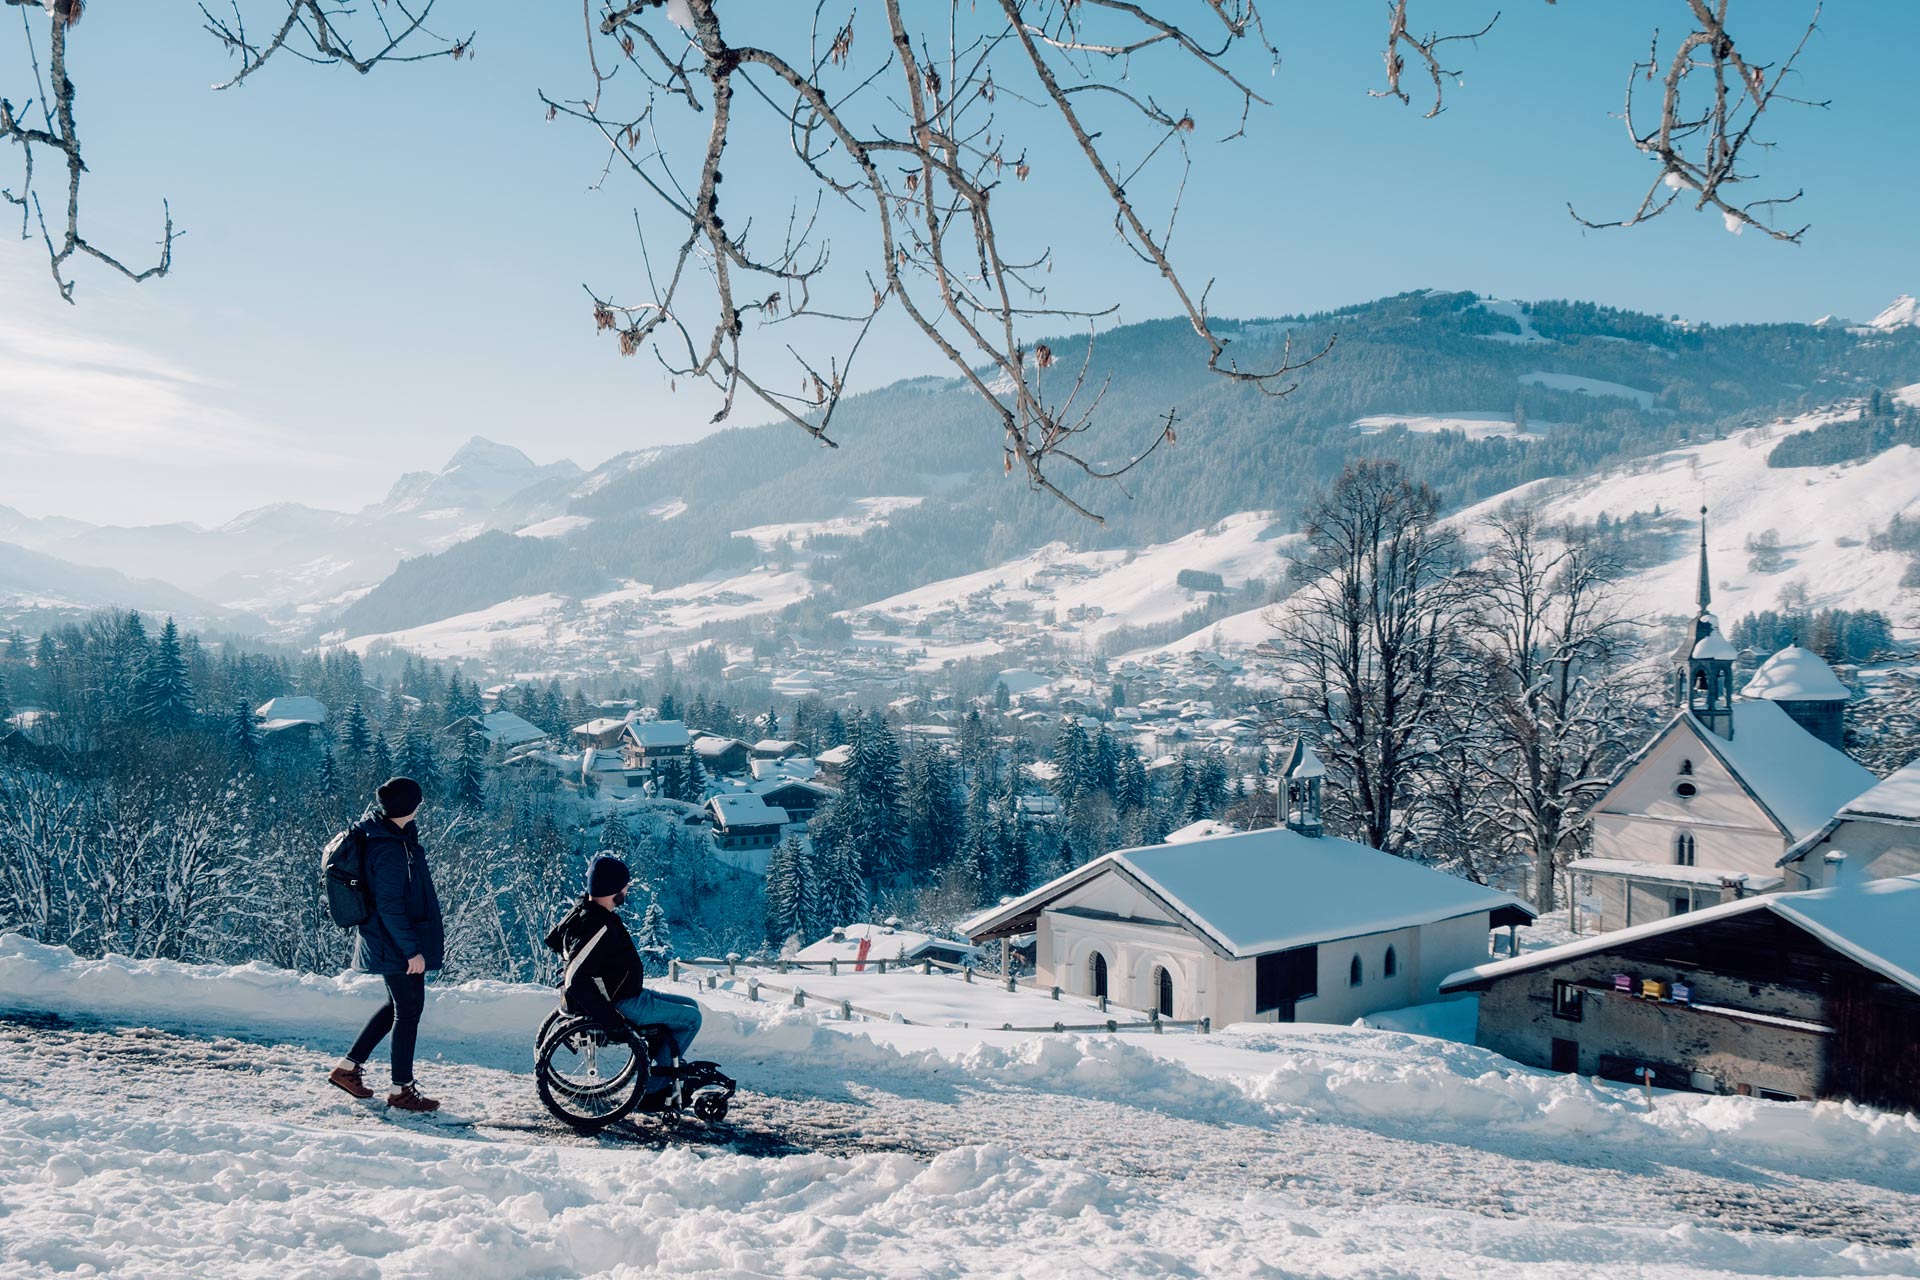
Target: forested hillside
(1581, 385)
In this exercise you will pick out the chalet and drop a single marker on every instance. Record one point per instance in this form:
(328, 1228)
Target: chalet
(1281, 925)
(833, 760)
(1875, 835)
(647, 743)
(722, 756)
(776, 749)
(798, 798)
(1788, 996)
(602, 769)
(1708, 810)
(289, 709)
(602, 733)
(745, 829)
(887, 942)
(503, 730)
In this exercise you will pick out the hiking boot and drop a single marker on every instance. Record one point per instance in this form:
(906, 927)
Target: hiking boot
(348, 1078)
(408, 1097)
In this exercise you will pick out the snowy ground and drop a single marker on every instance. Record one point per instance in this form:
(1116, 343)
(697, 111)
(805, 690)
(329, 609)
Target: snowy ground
(161, 1120)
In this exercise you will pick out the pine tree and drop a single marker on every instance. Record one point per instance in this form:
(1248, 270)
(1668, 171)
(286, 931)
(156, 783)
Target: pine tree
(356, 735)
(164, 700)
(243, 736)
(417, 758)
(794, 905)
(616, 840)
(470, 772)
(668, 708)
(6, 701)
(327, 783)
(654, 941)
(382, 759)
(936, 824)
(841, 891)
(871, 809)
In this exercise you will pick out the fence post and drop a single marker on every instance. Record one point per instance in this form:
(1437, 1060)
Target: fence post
(673, 971)
(1009, 982)
(799, 998)
(1157, 1028)
(1103, 1002)
(713, 982)
(1006, 1026)
(926, 966)
(1112, 1026)
(733, 958)
(833, 966)
(1059, 1026)
(846, 1010)
(1206, 1026)
(1056, 993)
(783, 964)
(969, 973)
(753, 988)
(883, 967)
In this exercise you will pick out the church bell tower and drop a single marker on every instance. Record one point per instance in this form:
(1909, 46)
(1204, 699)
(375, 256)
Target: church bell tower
(1703, 667)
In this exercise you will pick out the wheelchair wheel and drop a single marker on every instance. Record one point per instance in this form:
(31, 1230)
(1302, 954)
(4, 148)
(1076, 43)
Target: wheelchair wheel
(587, 1078)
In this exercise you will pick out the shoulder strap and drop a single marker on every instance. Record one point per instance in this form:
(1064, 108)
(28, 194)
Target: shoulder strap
(573, 966)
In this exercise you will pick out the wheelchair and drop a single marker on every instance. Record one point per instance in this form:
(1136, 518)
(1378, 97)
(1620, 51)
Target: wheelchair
(589, 1078)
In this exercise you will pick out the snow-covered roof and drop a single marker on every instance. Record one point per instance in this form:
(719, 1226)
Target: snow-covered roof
(599, 725)
(1258, 891)
(835, 757)
(1798, 778)
(1871, 923)
(505, 729)
(888, 944)
(657, 733)
(1204, 829)
(1672, 873)
(746, 810)
(717, 746)
(1898, 797)
(1302, 762)
(1716, 647)
(798, 767)
(775, 746)
(292, 708)
(1796, 675)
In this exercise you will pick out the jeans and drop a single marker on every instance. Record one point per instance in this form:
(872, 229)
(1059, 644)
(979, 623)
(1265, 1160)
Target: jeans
(680, 1015)
(406, 997)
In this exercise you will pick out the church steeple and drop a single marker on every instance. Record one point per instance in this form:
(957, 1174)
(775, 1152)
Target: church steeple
(1703, 668)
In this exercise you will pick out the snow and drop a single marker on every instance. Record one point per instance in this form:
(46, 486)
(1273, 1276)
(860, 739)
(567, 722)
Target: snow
(1671, 872)
(1901, 312)
(292, 708)
(1796, 675)
(1871, 922)
(1801, 780)
(1475, 426)
(875, 1148)
(1897, 797)
(1589, 386)
(887, 943)
(523, 620)
(668, 509)
(556, 527)
(1715, 647)
(1515, 312)
(872, 513)
(1260, 891)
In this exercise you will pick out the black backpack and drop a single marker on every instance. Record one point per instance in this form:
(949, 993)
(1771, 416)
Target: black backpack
(343, 866)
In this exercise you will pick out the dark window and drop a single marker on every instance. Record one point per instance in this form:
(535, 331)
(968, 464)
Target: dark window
(1163, 984)
(1685, 790)
(1682, 903)
(1774, 1095)
(1392, 964)
(1566, 1001)
(1566, 1055)
(1099, 964)
(1282, 977)
(1683, 849)
(1686, 767)
(1353, 972)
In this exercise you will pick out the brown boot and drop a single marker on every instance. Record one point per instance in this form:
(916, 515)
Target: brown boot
(409, 1098)
(349, 1080)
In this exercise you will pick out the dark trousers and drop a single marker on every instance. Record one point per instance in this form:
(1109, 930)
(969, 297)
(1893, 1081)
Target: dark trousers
(406, 997)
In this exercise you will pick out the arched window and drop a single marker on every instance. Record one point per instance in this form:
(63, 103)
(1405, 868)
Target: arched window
(1392, 964)
(1683, 849)
(1099, 966)
(1353, 973)
(1163, 992)
(1686, 767)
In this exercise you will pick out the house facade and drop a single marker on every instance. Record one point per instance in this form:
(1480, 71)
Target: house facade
(1279, 925)
(646, 744)
(745, 829)
(1785, 996)
(1706, 812)
(1875, 835)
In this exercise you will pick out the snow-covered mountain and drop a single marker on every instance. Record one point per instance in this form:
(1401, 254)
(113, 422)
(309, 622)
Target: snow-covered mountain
(37, 586)
(288, 563)
(1900, 313)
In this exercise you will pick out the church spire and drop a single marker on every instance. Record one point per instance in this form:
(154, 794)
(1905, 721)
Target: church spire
(1706, 592)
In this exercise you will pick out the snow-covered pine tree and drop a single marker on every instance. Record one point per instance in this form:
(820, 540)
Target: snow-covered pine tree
(6, 700)
(380, 759)
(874, 816)
(356, 735)
(470, 771)
(417, 758)
(668, 708)
(794, 904)
(164, 697)
(655, 940)
(1073, 764)
(327, 777)
(243, 736)
(616, 840)
(936, 822)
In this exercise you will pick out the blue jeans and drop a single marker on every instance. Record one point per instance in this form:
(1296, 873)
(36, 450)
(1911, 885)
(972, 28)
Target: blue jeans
(680, 1015)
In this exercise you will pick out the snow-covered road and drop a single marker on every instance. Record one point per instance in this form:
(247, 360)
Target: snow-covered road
(160, 1120)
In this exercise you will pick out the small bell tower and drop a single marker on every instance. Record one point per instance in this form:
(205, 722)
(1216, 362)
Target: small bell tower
(1303, 777)
(1703, 667)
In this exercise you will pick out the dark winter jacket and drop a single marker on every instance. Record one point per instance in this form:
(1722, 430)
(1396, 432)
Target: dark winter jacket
(406, 911)
(603, 965)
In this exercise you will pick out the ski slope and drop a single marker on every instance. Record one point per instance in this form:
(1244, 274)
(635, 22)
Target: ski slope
(164, 1119)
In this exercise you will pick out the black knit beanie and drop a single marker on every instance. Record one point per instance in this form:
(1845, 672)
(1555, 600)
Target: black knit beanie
(607, 876)
(399, 797)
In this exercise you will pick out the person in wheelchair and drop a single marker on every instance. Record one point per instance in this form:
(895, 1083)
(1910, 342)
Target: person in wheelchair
(604, 978)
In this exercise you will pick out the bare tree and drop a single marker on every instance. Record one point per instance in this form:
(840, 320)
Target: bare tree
(918, 149)
(1557, 704)
(1377, 640)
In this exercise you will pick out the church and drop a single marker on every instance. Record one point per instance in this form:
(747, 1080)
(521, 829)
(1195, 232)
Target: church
(1716, 805)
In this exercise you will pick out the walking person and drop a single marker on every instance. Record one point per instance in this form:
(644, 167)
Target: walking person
(604, 977)
(402, 940)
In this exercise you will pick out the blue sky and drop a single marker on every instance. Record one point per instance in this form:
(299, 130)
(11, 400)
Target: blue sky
(375, 269)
